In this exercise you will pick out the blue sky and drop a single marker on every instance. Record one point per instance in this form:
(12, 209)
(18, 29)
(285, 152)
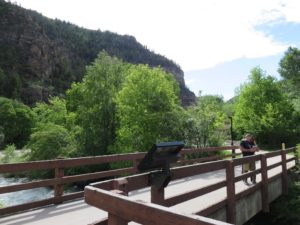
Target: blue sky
(216, 42)
(224, 78)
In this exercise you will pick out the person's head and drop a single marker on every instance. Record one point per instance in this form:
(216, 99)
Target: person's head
(249, 137)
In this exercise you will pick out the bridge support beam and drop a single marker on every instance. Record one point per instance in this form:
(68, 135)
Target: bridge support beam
(59, 188)
(157, 195)
(115, 220)
(231, 202)
(284, 172)
(264, 186)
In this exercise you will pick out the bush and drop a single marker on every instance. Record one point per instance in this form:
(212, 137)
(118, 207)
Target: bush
(9, 154)
(50, 141)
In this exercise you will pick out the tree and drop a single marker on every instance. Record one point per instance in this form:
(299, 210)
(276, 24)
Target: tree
(94, 102)
(290, 66)
(16, 120)
(206, 123)
(264, 110)
(290, 71)
(54, 112)
(148, 109)
(49, 141)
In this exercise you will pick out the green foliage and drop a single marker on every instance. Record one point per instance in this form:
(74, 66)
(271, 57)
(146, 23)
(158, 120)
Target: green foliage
(49, 141)
(16, 120)
(29, 75)
(206, 122)
(264, 110)
(9, 154)
(54, 112)
(290, 66)
(290, 71)
(148, 109)
(93, 101)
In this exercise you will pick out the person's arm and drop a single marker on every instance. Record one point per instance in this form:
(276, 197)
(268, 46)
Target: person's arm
(246, 149)
(243, 149)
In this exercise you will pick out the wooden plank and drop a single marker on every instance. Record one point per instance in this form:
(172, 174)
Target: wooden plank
(246, 175)
(213, 208)
(67, 163)
(273, 153)
(116, 220)
(272, 166)
(91, 160)
(248, 191)
(284, 173)
(64, 180)
(192, 170)
(290, 150)
(27, 206)
(144, 213)
(157, 195)
(208, 149)
(206, 159)
(264, 185)
(40, 203)
(26, 186)
(247, 159)
(291, 159)
(96, 175)
(59, 188)
(230, 192)
(193, 194)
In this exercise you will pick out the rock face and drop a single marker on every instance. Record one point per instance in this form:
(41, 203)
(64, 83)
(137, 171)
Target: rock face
(40, 57)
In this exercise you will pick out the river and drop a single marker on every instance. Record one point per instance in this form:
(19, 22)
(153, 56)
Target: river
(20, 197)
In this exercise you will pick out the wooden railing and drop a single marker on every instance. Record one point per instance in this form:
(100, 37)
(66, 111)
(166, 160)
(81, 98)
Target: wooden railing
(60, 179)
(105, 195)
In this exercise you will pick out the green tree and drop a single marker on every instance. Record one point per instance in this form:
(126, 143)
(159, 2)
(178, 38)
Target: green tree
(290, 66)
(93, 101)
(16, 120)
(289, 69)
(148, 109)
(207, 122)
(264, 110)
(54, 112)
(49, 141)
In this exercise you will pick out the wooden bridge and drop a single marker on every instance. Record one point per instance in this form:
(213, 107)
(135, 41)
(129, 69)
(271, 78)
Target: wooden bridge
(204, 190)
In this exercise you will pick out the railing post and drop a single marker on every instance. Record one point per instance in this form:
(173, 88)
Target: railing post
(233, 153)
(230, 192)
(296, 155)
(264, 186)
(115, 220)
(284, 171)
(135, 165)
(59, 188)
(157, 195)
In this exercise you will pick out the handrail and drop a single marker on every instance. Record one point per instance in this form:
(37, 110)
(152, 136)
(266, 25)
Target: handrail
(128, 184)
(60, 178)
(130, 210)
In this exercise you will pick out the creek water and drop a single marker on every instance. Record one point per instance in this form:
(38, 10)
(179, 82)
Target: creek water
(19, 197)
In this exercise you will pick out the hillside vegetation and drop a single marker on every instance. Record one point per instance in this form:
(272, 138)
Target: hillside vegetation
(41, 57)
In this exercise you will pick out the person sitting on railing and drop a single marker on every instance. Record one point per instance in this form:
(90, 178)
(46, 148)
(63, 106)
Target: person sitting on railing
(248, 148)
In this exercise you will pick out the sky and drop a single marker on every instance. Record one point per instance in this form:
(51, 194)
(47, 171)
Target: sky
(216, 42)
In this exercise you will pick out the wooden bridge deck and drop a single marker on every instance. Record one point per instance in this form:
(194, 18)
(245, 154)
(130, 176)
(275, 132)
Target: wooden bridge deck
(79, 213)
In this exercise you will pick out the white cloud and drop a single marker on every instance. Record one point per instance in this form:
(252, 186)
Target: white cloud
(196, 34)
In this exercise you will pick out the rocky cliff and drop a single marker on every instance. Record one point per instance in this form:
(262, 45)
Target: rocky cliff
(40, 57)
